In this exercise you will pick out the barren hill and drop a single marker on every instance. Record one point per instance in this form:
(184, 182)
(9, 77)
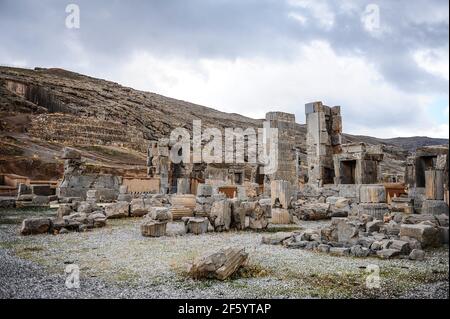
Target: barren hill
(43, 110)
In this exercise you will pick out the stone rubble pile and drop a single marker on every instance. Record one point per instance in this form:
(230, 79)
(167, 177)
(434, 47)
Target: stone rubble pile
(364, 235)
(71, 216)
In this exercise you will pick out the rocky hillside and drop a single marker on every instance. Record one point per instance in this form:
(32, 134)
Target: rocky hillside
(43, 110)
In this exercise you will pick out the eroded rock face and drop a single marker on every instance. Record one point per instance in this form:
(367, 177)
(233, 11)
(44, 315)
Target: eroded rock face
(427, 234)
(117, 210)
(220, 216)
(196, 225)
(34, 226)
(219, 265)
(153, 228)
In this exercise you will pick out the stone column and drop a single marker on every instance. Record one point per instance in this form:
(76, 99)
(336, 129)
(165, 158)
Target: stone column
(434, 184)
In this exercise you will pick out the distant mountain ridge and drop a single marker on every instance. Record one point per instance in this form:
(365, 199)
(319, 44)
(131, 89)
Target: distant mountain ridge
(42, 110)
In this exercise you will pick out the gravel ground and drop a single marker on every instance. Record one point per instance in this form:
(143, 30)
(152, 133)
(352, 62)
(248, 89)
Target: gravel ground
(117, 262)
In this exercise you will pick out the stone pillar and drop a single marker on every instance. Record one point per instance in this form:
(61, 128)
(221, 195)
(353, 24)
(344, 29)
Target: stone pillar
(323, 140)
(287, 159)
(434, 184)
(280, 194)
(183, 186)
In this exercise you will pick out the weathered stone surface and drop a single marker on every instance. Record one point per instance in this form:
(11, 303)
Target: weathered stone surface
(374, 226)
(85, 208)
(388, 253)
(427, 235)
(372, 194)
(125, 198)
(220, 265)
(117, 210)
(280, 216)
(256, 214)
(70, 153)
(183, 186)
(402, 246)
(392, 228)
(441, 220)
(161, 214)
(220, 216)
(7, 202)
(32, 226)
(153, 228)
(323, 248)
(347, 232)
(64, 210)
(444, 234)
(280, 194)
(316, 211)
(359, 251)
(196, 225)
(204, 190)
(276, 239)
(417, 254)
(434, 185)
(178, 212)
(376, 210)
(339, 251)
(435, 207)
(186, 200)
(329, 234)
(123, 189)
(138, 207)
(42, 190)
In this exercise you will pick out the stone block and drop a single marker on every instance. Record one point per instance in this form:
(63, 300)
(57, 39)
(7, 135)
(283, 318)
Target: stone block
(196, 226)
(372, 194)
(117, 210)
(204, 190)
(280, 191)
(220, 216)
(33, 226)
(280, 216)
(153, 228)
(435, 207)
(427, 235)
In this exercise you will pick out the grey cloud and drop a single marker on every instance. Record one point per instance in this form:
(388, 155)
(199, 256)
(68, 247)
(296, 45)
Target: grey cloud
(110, 30)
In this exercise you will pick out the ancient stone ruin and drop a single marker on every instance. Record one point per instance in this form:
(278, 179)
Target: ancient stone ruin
(327, 180)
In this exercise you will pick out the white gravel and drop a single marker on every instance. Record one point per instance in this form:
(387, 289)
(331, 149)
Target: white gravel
(117, 262)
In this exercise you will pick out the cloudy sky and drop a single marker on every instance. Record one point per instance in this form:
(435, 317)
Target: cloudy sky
(385, 62)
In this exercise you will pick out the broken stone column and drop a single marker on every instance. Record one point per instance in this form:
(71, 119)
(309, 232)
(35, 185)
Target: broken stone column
(220, 265)
(323, 140)
(434, 184)
(220, 216)
(280, 194)
(183, 186)
(196, 225)
(153, 228)
(373, 201)
(123, 194)
(280, 216)
(286, 156)
(204, 200)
